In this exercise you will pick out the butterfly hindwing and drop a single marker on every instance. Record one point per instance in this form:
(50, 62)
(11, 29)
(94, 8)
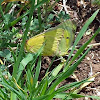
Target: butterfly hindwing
(52, 39)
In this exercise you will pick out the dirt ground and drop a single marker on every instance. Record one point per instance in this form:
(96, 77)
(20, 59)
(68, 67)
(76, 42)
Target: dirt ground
(80, 13)
(91, 63)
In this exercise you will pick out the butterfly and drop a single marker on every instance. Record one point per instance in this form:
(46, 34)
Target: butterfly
(56, 41)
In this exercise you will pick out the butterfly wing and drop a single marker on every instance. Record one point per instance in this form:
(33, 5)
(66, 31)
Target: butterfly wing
(64, 43)
(57, 40)
(68, 37)
(34, 43)
(52, 39)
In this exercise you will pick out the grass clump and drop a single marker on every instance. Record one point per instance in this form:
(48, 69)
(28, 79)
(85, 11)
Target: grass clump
(21, 82)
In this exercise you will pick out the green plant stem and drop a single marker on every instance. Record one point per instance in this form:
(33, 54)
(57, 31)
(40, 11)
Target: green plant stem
(15, 67)
(39, 15)
(2, 14)
(83, 30)
(67, 73)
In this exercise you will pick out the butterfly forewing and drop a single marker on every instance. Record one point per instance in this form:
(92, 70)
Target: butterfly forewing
(35, 43)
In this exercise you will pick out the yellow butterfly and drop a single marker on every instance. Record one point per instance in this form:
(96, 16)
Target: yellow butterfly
(56, 40)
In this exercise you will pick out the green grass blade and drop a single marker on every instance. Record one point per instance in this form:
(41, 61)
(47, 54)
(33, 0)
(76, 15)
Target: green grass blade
(67, 73)
(39, 88)
(41, 97)
(11, 88)
(29, 80)
(15, 21)
(57, 69)
(73, 96)
(50, 64)
(64, 88)
(23, 64)
(94, 97)
(81, 49)
(1, 12)
(63, 95)
(15, 67)
(39, 16)
(82, 31)
(41, 3)
(3, 95)
(70, 86)
(14, 89)
(44, 87)
(22, 16)
(84, 46)
(37, 71)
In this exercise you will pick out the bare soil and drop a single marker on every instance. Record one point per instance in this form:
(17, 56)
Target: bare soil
(91, 63)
